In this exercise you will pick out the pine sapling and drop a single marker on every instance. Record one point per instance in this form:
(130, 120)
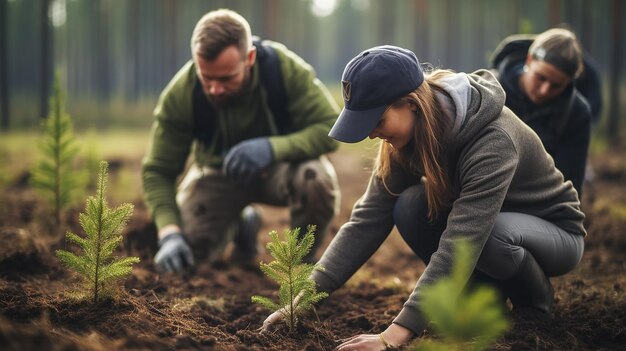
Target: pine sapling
(54, 175)
(297, 293)
(465, 320)
(103, 226)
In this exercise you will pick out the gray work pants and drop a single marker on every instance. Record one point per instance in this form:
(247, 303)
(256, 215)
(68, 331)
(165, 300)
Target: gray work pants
(210, 203)
(556, 250)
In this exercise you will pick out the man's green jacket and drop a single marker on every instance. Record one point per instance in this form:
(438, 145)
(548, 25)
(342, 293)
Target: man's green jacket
(312, 112)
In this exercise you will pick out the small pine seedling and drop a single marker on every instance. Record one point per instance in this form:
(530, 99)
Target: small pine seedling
(297, 292)
(103, 225)
(54, 175)
(465, 320)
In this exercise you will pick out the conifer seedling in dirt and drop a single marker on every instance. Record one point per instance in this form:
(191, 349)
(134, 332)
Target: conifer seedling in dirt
(297, 293)
(103, 226)
(54, 175)
(465, 320)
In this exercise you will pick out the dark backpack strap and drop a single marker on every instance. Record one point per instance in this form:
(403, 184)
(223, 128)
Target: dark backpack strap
(271, 79)
(512, 48)
(203, 115)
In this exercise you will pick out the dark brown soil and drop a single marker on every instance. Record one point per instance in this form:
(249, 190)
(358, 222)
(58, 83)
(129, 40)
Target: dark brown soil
(211, 309)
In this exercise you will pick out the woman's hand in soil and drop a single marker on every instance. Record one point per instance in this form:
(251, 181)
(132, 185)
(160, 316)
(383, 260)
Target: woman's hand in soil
(394, 336)
(369, 342)
(270, 322)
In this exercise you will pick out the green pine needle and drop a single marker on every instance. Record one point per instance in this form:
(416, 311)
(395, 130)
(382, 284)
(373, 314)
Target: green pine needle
(54, 176)
(103, 227)
(292, 275)
(465, 320)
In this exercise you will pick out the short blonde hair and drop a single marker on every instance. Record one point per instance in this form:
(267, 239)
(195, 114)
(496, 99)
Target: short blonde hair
(559, 47)
(218, 30)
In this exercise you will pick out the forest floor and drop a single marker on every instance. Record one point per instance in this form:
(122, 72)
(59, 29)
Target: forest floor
(211, 308)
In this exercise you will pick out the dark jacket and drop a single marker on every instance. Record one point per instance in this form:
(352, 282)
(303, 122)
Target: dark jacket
(563, 124)
(589, 84)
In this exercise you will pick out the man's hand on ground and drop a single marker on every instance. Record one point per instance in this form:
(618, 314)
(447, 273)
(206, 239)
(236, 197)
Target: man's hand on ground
(174, 254)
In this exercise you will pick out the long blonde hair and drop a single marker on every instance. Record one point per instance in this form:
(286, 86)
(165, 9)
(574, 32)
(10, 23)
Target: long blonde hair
(425, 148)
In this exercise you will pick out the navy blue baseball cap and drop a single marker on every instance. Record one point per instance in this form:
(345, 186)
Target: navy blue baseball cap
(370, 82)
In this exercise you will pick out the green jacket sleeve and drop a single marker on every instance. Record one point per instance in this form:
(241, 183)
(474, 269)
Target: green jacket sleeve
(312, 109)
(170, 144)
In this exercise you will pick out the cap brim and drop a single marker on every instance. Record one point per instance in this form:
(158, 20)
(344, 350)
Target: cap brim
(354, 126)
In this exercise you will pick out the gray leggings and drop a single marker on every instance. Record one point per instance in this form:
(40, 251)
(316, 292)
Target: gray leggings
(556, 250)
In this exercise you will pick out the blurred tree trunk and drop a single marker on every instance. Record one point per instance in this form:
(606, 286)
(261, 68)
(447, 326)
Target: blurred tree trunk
(512, 12)
(421, 25)
(171, 32)
(4, 80)
(132, 54)
(554, 12)
(472, 35)
(587, 26)
(79, 48)
(271, 17)
(102, 73)
(384, 14)
(614, 108)
(452, 54)
(46, 58)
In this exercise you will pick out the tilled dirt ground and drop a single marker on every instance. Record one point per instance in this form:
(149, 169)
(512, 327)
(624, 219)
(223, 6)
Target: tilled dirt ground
(211, 308)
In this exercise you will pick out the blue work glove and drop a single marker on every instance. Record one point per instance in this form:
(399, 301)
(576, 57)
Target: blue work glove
(247, 159)
(174, 254)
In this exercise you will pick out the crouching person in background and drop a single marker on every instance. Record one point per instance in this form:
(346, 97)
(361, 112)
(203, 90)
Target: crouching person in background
(542, 78)
(256, 120)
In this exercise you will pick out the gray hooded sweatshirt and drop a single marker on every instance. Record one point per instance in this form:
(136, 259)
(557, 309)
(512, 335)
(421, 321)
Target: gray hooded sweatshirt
(497, 164)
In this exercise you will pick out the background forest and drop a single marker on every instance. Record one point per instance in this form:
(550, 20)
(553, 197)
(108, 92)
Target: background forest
(115, 56)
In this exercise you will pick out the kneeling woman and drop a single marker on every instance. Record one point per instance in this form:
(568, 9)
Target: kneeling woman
(455, 163)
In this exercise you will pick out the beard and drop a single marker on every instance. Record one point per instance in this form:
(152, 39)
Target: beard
(230, 99)
(223, 100)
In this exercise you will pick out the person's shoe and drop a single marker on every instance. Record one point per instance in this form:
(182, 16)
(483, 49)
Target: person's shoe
(246, 247)
(530, 287)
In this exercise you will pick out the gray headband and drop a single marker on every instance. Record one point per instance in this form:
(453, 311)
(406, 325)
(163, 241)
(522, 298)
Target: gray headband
(565, 65)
